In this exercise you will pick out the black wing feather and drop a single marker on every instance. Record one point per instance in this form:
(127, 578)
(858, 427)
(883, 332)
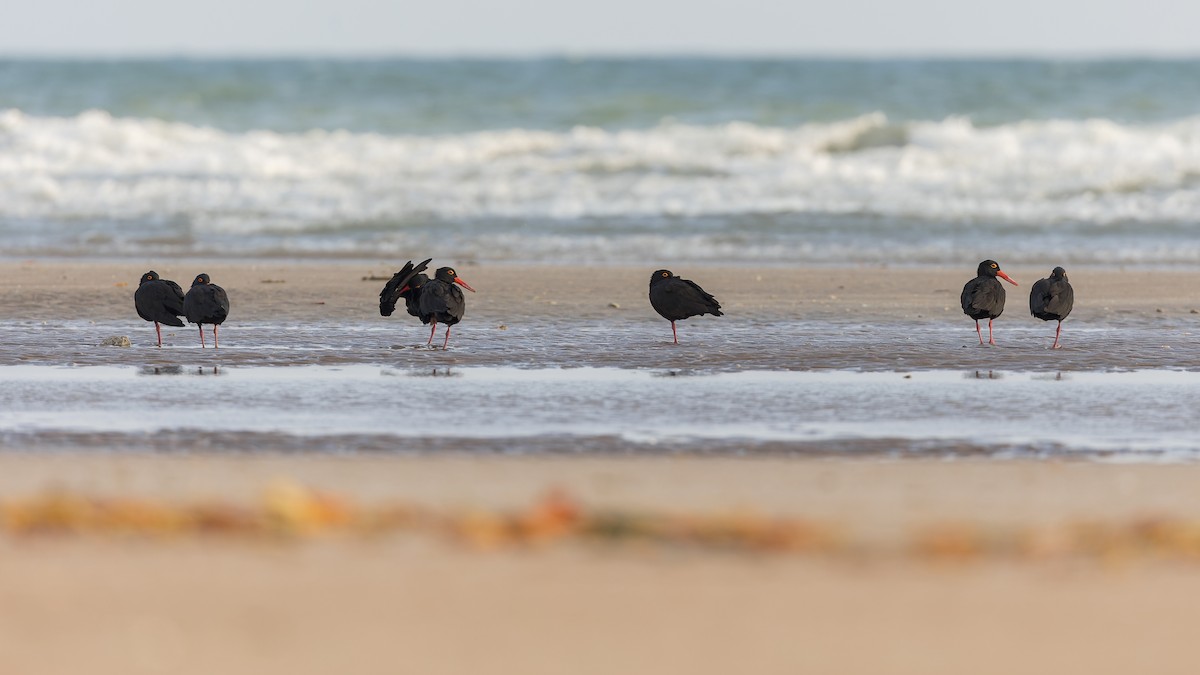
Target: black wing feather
(391, 291)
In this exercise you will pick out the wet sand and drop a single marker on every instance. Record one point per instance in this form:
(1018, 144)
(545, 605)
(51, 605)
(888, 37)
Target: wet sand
(56, 312)
(119, 604)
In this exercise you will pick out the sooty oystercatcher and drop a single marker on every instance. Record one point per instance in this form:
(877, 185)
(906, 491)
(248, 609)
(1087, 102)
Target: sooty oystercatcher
(676, 299)
(159, 300)
(983, 296)
(206, 302)
(442, 302)
(1052, 299)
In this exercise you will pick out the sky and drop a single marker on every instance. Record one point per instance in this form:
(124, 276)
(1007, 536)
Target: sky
(623, 27)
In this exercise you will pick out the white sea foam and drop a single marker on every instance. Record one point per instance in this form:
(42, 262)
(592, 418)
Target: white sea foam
(94, 165)
(97, 174)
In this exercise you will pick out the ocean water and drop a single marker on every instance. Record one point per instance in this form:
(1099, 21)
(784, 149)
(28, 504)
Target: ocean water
(603, 160)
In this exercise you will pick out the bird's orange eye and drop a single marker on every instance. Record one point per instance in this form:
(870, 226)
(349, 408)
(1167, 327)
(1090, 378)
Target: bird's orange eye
(665, 274)
(451, 273)
(995, 265)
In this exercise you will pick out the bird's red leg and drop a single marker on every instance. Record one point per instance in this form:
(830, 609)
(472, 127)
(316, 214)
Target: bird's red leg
(673, 333)
(979, 332)
(1056, 334)
(158, 330)
(447, 340)
(215, 343)
(991, 340)
(201, 335)
(432, 328)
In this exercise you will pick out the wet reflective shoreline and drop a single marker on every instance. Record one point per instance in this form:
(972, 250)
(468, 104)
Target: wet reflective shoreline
(1142, 415)
(711, 346)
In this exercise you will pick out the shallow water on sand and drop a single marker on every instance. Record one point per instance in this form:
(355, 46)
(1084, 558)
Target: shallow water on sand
(707, 346)
(592, 386)
(1143, 413)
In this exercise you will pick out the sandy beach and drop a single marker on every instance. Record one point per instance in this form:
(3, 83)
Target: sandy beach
(195, 604)
(838, 317)
(881, 601)
(835, 476)
(307, 290)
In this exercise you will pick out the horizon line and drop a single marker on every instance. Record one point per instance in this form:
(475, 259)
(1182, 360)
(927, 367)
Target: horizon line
(615, 55)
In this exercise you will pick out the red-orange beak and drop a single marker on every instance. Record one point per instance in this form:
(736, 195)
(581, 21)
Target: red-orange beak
(1005, 277)
(467, 286)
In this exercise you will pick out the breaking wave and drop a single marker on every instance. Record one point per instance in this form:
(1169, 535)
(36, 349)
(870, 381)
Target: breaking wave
(95, 180)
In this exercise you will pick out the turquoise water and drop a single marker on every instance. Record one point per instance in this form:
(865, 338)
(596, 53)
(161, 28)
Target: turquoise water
(605, 160)
(434, 96)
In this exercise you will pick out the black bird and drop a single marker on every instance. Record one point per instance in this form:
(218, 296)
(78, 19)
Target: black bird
(983, 296)
(206, 302)
(404, 284)
(676, 299)
(441, 301)
(159, 300)
(1051, 300)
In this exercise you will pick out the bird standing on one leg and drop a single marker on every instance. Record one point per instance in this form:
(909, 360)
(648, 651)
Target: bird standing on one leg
(206, 302)
(676, 299)
(159, 300)
(983, 296)
(1051, 299)
(441, 301)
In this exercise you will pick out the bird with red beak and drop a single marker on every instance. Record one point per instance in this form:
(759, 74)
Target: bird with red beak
(442, 301)
(983, 296)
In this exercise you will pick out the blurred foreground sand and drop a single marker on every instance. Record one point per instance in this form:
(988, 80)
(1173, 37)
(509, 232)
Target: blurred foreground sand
(411, 602)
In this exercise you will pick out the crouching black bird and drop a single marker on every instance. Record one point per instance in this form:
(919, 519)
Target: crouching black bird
(1051, 300)
(159, 300)
(983, 296)
(405, 284)
(441, 301)
(676, 299)
(206, 302)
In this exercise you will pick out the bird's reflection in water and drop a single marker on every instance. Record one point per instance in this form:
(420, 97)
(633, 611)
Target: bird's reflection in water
(435, 372)
(180, 370)
(1057, 377)
(985, 375)
(161, 370)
